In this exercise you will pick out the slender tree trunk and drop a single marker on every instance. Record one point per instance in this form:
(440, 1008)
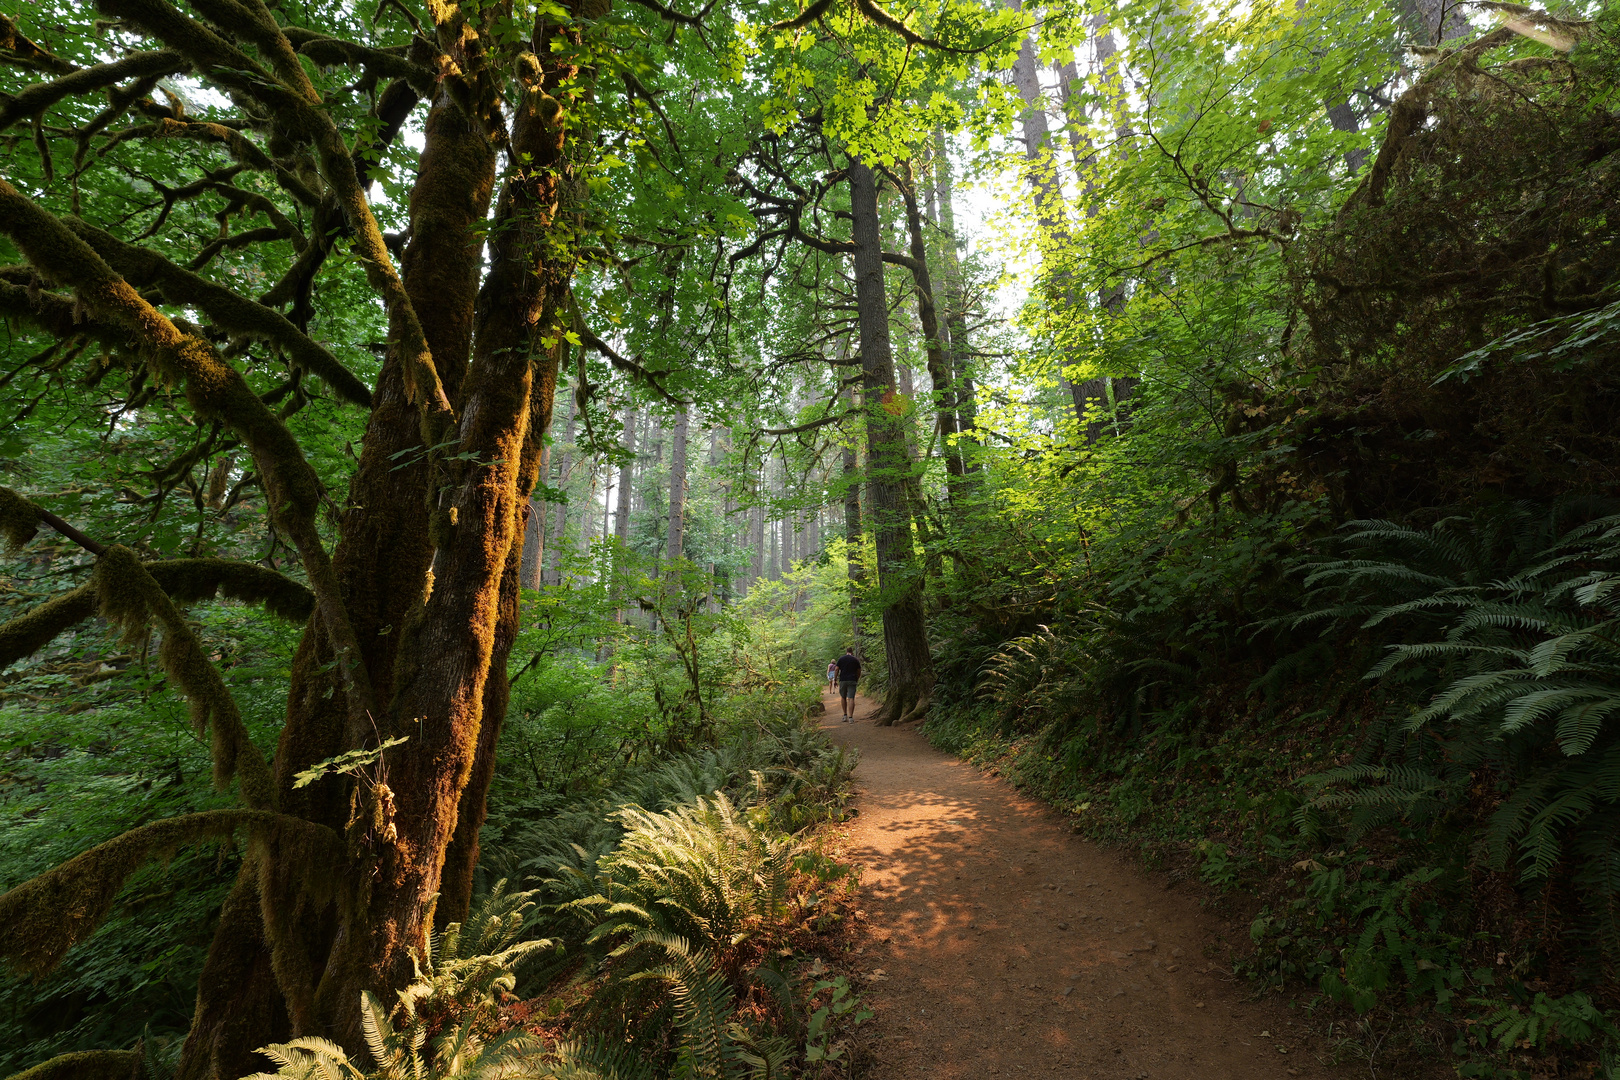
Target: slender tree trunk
(775, 526)
(955, 319)
(854, 542)
(934, 341)
(1052, 231)
(627, 480)
(905, 637)
(677, 489)
(756, 530)
(534, 533)
(565, 470)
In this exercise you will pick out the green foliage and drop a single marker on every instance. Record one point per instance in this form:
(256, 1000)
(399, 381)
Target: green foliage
(1524, 683)
(702, 871)
(839, 1016)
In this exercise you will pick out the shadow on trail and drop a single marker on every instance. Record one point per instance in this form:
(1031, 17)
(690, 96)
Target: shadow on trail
(997, 943)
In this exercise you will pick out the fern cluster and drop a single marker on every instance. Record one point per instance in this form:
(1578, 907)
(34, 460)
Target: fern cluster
(1512, 626)
(439, 1028)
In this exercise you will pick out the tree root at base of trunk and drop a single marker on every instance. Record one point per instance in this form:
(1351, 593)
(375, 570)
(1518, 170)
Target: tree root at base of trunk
(902, 705)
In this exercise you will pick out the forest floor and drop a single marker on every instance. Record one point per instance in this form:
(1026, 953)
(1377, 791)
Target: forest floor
(994, 942)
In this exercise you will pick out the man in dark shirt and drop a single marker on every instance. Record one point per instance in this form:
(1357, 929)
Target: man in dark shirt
(849, 674)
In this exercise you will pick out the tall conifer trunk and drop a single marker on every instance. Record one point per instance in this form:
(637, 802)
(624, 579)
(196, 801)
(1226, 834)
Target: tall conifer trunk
(955, 316)
(905, 637)
(677, 488)
(934, 346)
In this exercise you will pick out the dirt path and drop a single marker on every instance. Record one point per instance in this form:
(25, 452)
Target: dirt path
(1004, 945)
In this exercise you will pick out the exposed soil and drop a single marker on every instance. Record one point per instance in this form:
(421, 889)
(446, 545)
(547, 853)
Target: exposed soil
(995, 942)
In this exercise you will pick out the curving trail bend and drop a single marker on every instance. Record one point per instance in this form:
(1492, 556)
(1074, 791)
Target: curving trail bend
(997, 943)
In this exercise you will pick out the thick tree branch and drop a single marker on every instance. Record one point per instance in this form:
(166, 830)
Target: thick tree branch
(233, 313)
(809, 425)
(805, 17)
(41, 96)
(25, 53)
(385, 63)
(215, 389)
(670, 15)
(44, 917)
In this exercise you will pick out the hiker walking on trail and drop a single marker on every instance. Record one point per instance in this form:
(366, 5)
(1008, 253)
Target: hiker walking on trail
(849, 674)
(832, 674)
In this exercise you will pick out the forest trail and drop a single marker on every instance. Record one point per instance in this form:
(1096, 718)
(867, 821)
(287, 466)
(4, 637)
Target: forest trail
(1004, 945)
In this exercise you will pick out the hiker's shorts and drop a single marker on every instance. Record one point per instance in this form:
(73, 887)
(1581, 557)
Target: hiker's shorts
(846, 688)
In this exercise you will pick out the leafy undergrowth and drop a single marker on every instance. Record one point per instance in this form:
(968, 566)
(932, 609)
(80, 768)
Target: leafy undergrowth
(676, 922)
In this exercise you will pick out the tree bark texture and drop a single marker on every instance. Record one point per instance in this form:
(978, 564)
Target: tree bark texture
(430, 652)
(565, 470)
(854, 538)
(900, 584)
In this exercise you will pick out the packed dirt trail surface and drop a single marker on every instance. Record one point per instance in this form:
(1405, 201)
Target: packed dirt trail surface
(995, 942)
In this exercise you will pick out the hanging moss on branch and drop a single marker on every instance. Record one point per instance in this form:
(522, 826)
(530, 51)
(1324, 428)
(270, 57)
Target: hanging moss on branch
(44, 917)
(130, 598)
(187, 581)
(34, 628)
(19, 519)
(216, 390)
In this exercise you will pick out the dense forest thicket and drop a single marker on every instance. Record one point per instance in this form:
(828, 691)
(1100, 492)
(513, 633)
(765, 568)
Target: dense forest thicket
(443, 442)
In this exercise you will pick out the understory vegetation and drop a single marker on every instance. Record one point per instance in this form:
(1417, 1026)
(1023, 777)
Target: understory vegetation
(652, 898)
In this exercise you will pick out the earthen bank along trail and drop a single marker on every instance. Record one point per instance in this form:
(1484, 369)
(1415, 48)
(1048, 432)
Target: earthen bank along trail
(998, 943)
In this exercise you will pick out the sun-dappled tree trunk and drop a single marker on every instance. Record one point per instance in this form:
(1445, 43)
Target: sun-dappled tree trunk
(955, 315)
(565, 465)
(934, 343)
(854, 539)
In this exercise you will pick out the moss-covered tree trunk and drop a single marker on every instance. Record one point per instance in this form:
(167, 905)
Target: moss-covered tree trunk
(900, 583)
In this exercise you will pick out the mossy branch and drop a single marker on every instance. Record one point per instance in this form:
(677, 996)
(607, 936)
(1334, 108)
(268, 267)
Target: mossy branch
(89, 1065)
(301, 118)
(20, 519)
(41, 96)
(187, 581)
(59, 316)
(25, 53)
(235, 314)
(36, 627)
(1410, 112)
(44, 917)
(333, 52)
(130, 598)
(217, 391)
